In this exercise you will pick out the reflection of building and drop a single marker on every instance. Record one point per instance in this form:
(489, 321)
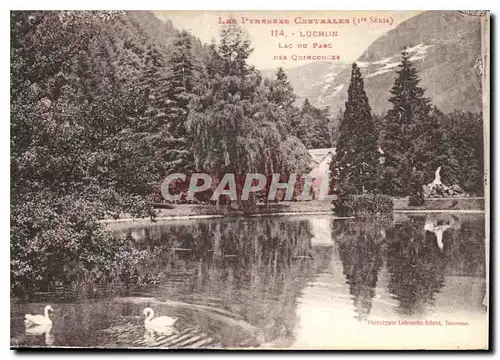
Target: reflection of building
(324, 308)
(320, 164)
(321, 228)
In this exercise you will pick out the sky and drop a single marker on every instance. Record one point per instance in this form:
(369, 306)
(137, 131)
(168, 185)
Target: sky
(345, 42)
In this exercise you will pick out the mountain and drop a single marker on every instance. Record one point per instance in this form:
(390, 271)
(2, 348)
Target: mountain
(445, 47)
(311, 80)
(127, 38)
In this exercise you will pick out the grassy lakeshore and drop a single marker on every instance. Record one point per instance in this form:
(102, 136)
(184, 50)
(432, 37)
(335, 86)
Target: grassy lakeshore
(207, 210)
(442, 204)
(314, 206)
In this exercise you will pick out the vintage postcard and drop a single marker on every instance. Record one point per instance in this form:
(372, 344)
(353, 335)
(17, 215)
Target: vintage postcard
(249, 179)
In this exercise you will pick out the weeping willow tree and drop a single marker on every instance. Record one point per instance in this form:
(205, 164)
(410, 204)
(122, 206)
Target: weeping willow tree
(238, 126)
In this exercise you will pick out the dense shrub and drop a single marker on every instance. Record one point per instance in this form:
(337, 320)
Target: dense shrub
(60, 242)
(464, 149)
(364, 205)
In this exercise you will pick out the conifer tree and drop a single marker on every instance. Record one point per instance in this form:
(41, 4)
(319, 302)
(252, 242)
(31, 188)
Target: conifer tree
(283, 93)
(155, 82)
(356, 164)
(178, 155)
(410, 137)
(168, 84)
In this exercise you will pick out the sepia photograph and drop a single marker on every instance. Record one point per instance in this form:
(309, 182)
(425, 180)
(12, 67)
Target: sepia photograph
(250, 180)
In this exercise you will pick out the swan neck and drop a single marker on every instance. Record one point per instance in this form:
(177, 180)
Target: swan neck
(46, 312)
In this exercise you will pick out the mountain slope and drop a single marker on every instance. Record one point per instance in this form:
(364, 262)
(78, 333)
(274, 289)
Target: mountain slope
(445, 47)
(311, 80)
(127, 38)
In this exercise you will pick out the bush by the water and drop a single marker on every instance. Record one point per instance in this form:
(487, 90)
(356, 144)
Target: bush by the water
(364, 205)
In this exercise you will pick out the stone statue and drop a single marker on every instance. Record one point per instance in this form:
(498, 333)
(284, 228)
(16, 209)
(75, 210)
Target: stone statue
(437, 179)
(436, 189)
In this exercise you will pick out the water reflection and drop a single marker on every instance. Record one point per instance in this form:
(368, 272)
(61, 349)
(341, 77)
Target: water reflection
(361, 249)
(44, 330)
(416, 265)
(275, 282)
(423, 252)
(438, 224)
(254, 269)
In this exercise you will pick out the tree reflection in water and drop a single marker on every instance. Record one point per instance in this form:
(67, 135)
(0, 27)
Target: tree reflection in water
(418, 251)
(267, 272)
(416, 265)
(255, 268)
(360, 247)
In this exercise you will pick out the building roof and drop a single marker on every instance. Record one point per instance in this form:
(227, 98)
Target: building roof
(318, 155)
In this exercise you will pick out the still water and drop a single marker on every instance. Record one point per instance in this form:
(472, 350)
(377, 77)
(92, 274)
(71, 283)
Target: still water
(413, 281)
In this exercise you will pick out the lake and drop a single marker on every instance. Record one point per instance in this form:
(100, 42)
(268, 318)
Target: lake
(312, 281)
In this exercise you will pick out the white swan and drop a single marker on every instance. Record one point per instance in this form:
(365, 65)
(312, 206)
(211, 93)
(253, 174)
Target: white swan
(160, 323)
(38, 329)
(33, 320)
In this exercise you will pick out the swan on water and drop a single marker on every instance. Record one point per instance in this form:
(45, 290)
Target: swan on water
(160, 323)
(32, 320)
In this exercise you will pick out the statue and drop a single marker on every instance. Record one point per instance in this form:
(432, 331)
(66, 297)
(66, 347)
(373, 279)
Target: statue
(436, 189)
(437, 179)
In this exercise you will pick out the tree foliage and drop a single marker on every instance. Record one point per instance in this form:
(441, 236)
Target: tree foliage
(78, 150)
(168, 84)
(314, 129)
(463, 143)
(411, 137)
(240, 122)
(105, 104)
(356, 164)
